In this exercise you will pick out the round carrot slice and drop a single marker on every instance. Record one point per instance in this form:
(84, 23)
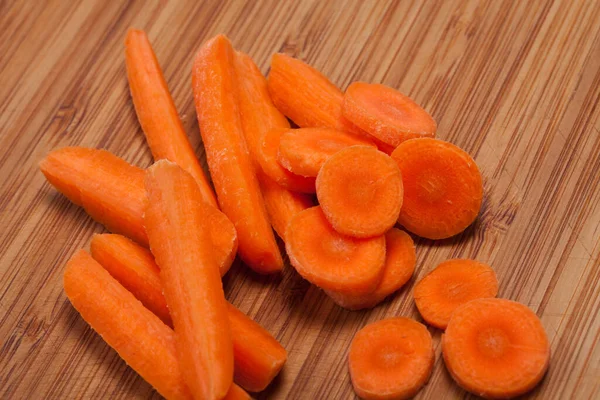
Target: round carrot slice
(386, 113)
(496, 348)
(304, 151)
(450, 285)
(391, 359)
(443, 188)
(400, 258)
(360, 191)
(332, 261)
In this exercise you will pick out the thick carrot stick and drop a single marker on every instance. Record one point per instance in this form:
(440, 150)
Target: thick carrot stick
(217, 104)
(156, 111)
(178, 234)
(112, 192)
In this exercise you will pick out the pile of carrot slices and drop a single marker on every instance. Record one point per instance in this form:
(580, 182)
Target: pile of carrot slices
(152, 288)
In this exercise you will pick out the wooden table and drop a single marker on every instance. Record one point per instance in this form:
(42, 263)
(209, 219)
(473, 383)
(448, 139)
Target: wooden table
(516, 84)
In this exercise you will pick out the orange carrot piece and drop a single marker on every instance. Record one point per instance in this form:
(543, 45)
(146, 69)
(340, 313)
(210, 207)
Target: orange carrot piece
(390, 359)
(145, 343)
(258, 357)
(360, 191)
(304, 151)
(443, 188)
(450, 285)
(156, 111)
(217, 105)
(400, 258)
(237, 393)
(178, 234)
(332, 261)
(496, 348)
(386, 113)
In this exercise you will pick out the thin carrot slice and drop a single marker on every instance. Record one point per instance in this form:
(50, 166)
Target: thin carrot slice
(217, 105)
(178, 234)
(304, 151)
(450, 285)
(390, 359)
(360, 191)
(400, 258)
(332, 261)
(156, 111)
(386, 113)
(496, 348)
(443, 188)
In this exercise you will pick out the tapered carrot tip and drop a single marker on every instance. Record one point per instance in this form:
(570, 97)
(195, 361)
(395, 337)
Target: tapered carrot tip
(360, 190)
(450, 285)
(443, 188)
(391, 359)
(332, 261)
(386, 113)
(496, 348)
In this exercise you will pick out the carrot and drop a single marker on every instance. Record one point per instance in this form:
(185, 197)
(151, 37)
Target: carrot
(237, 393)
(390, 359)
(304, 151)
(399, 266)
(156, 111)
(178, 234)
(112, 192)
(496, 348)
(217, 105)
(443, 188)
(258, 357)
(332, 261)
(360, 191)
(451, 284)
(386, 113)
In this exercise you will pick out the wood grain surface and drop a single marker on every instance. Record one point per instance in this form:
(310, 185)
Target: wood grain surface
(515, 83)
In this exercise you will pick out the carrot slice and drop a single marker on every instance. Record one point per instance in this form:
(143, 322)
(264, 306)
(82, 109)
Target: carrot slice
(390, 359)
(178, 234)
(360, 191)
(450, 285)
(400, 258)
(386, 113)
(237, 393)
(156, 111)
(443, 188)
(258, 357)
(496, 348)
(304, 151)
(217, 105)
(332, 261)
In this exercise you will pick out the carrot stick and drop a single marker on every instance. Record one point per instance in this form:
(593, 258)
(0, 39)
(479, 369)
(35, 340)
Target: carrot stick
(360, 191)
(112, 192)
(217, 105)
(258, 357)
(237, 393)
(156, 111)
(496, 348)
(450, 285)
(178, 234)
(399, 266)
(386, 113)
(443, 188)
(332, 261)
(390, 359)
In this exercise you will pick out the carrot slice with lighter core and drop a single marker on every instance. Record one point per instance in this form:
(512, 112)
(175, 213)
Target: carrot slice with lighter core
(390, 359)
(386, 113)
(450, 285)
(496, 348)
(332, 261)
(360, 191)
(443, 188)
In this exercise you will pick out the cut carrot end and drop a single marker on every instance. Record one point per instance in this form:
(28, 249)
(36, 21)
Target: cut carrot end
(360, 190)
(496, 348)
(391, 359)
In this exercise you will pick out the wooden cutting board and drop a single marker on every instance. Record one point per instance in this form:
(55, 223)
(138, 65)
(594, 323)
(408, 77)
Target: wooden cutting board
(516, 84)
